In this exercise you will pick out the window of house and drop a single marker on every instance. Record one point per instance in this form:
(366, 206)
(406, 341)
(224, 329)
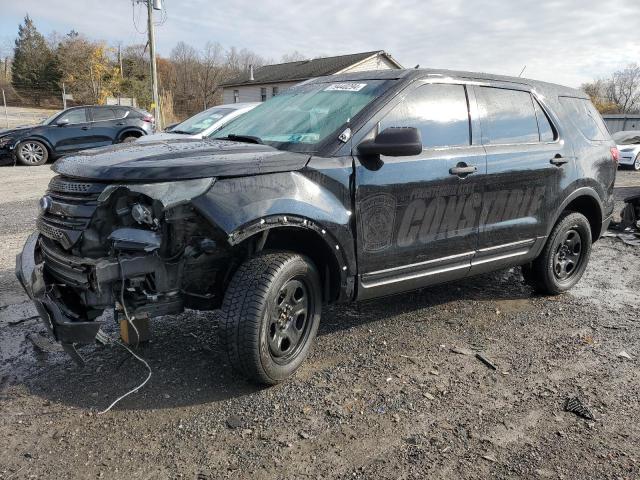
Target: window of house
(263, 94)
(439, 111)
(507, 116)
(236, 96)
(274, 91)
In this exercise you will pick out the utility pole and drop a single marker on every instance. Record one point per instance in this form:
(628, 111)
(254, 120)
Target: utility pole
(120, 60)
(64, 97)
(154, 70)
(6, 115)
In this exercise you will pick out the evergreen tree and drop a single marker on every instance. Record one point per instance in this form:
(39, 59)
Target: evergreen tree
(34, 66)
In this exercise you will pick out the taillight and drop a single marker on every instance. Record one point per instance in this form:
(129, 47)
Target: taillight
(615, 155)
(148, 118)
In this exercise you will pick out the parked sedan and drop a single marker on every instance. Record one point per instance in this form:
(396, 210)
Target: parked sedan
(76, 128)
(204, 123)
(629, 146)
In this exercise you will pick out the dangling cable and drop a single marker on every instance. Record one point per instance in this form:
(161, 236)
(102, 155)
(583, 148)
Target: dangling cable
(118, 342)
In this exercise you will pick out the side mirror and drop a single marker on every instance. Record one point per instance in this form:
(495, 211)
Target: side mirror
(393, 142)
(63, 122)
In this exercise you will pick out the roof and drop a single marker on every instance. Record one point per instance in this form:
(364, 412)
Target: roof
(431, 73)
(304, 69)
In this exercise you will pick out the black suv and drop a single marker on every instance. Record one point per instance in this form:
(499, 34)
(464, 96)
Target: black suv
(74, 129)
(341, 189)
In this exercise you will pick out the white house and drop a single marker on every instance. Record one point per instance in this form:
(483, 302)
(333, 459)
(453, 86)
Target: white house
(262, 83)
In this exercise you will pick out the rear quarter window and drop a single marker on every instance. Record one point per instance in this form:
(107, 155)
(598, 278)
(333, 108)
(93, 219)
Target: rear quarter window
(585, 117)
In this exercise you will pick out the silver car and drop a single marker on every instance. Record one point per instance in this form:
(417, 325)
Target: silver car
(204, 123)
(628, 143)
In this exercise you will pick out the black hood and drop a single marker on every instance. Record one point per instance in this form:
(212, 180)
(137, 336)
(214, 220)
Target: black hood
(179, 159)
(17, 130)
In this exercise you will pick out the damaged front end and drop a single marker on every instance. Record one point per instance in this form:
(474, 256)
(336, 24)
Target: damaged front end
(142, 249)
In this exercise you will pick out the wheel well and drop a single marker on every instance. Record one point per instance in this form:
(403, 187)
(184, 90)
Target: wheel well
(589, 207)
(130, 133)
(312, 245)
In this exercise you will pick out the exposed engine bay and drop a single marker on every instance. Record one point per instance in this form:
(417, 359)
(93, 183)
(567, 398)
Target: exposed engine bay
(143, 248)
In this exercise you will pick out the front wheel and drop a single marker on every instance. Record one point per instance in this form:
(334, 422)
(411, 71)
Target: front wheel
(636, 163)
(32, 153)
(270, 315)
(564, 257)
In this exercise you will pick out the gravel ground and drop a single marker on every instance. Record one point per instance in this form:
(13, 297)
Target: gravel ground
(382, 395)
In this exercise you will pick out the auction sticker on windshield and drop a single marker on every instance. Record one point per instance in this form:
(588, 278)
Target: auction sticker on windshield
(345, 87)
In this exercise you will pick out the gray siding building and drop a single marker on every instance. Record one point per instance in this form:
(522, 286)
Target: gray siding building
(617, 122)
(260, 84)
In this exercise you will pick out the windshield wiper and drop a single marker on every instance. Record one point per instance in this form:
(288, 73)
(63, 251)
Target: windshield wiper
(242, 138)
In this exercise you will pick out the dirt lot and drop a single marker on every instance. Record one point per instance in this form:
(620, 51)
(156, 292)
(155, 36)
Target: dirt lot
(16, 116)
(382, 395)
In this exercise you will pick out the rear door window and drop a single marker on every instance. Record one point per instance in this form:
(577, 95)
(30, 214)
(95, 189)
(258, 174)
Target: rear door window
(547, 132)
(585, 116)
(439, 111)
(103, 114)
(507, 116)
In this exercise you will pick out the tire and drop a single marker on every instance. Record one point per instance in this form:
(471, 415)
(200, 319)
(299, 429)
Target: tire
(128, 139)
(564, 257)
(636, 164)
(32, 153)
(264, 338)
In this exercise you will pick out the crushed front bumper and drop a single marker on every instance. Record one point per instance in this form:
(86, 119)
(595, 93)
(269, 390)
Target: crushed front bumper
(64, 329)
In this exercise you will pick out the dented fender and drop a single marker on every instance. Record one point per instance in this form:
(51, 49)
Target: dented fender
(244, 206)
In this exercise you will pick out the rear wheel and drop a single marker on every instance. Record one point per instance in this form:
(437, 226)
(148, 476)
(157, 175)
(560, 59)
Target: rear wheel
(128, 138)
(564, 257)
(32, 153)
(270, 315)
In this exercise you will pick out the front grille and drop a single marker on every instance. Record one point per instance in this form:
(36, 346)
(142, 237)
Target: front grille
(72, 204)
(64, 268)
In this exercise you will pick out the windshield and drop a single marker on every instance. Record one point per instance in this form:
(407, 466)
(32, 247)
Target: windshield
(302, 117)
(50, 119)
(200, 122)
(627, 138)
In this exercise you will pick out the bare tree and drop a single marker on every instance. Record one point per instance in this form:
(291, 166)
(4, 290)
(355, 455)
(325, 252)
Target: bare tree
(211, 72)
(623, 89)
(294, 56)
(240, 60)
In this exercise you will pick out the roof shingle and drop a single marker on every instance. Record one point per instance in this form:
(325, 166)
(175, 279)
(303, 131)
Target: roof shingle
(300, 70)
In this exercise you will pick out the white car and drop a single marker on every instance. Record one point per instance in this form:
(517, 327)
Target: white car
(204, 123)
(628, 143)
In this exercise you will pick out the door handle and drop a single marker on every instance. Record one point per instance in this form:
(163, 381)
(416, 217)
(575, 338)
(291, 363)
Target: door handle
(559, 160)
(84, 128)
(463, 169)
(120, 123)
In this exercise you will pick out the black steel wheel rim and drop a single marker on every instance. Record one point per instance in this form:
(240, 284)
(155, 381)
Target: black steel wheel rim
(568, 256)
(290, 318)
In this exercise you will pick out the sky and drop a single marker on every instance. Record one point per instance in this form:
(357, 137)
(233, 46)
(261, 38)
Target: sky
(562, 41)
